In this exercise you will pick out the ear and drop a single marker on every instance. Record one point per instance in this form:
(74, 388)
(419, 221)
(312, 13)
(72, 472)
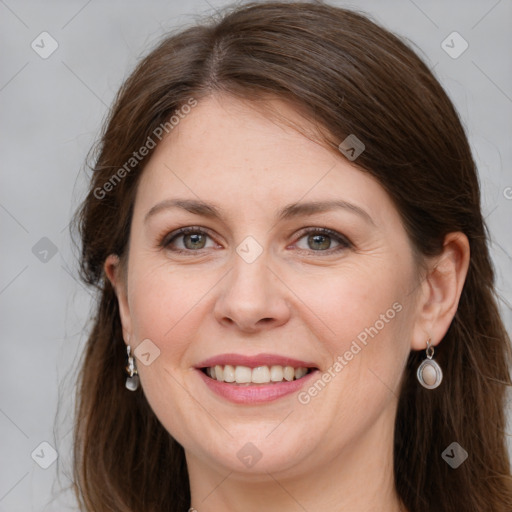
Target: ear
(115, 275)
(440, 291)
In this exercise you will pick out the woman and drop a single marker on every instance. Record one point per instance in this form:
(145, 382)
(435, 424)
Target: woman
(284, 227)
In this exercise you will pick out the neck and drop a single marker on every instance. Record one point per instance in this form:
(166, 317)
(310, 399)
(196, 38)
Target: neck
(358, 477)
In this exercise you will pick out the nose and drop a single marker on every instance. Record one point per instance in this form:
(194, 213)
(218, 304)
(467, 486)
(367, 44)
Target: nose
(252, 297)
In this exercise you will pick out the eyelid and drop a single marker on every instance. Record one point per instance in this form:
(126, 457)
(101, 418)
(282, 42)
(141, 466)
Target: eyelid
(169, 237)
(326, 231)
(341, 239)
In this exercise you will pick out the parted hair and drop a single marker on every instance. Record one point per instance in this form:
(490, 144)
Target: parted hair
(349, 76)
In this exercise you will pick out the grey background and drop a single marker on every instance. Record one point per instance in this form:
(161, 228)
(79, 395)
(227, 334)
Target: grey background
(52, 110)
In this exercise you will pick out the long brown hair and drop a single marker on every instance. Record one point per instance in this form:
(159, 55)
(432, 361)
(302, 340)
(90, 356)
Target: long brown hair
(349, 76)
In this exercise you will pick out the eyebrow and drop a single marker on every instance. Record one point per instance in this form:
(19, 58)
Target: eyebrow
(290, 211)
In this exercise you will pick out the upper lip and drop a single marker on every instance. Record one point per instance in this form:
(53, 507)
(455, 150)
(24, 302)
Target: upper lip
(254, 361)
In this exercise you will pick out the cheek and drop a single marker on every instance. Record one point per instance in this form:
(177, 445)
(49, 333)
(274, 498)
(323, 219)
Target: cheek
(166, 305)
(353, 303)
(166, 308)
(362, 320)
(154, 307)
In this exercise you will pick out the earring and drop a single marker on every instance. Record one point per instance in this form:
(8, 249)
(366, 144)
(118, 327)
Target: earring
(429, 372)
(132, 381)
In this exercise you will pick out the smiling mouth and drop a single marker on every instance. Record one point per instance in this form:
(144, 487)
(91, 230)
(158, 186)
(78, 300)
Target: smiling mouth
(245, 375)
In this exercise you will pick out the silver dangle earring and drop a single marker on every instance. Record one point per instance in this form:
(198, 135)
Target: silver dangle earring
(132, 381)
(429, 372)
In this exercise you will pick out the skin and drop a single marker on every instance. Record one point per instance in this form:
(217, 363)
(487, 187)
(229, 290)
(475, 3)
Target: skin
(295, 300)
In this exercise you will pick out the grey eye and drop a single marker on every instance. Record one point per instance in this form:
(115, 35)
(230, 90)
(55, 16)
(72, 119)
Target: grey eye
(194, 241)
(320, 242)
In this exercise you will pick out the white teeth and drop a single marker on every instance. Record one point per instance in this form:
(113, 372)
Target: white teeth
(300, 372)
(219, 372)
(288, 373)
(243, 374)
(229, 373)
(258, 375)
(276, 373)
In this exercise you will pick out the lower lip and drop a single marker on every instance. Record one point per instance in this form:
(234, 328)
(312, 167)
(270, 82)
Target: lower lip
(257, 393)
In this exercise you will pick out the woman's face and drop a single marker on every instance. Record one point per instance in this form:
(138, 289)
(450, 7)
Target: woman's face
(293, 257)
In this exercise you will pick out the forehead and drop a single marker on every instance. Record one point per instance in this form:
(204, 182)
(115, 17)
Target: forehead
(232, 152)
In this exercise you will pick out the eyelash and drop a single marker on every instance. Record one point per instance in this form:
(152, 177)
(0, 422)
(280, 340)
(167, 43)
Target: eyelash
(344, 243)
